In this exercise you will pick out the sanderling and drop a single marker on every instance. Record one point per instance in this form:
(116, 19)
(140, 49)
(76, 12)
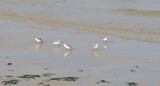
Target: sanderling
(39, 40)
(68, 47)
(104, 39)
(56, 42)
(94, 46)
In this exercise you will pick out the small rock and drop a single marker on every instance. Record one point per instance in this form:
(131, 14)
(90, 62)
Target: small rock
(133, 70)
(45, 68)
(9, 63)
(80, 70)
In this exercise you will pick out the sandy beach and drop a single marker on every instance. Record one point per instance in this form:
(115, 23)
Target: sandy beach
(130, 57)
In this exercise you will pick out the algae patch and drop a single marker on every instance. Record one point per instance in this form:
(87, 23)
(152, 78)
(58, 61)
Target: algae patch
(29, 76)
(65, 79)
(8, 82)
(48, 74)
(103, 81)
(8, 76)
(132, 83)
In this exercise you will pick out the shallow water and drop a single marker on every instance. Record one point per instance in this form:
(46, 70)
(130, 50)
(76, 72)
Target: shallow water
(127, 19)
(132, 27)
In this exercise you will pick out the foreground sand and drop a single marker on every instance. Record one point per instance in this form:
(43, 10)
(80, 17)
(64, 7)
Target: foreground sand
(119, 61)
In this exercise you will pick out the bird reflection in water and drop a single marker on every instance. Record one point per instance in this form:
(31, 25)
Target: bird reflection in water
(38, 45)
(57, 49)
(105, 45)
(95, 53)
(67, 53)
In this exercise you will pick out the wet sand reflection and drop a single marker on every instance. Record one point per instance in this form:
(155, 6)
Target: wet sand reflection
(67, 53)
(38, 45)
(95, 53)
(57, 49)
(105, 45)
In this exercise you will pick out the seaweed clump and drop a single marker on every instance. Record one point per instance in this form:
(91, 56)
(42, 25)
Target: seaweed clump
(103, 81)
(13, 81)
(48, 74)
(29, 76)
(65, 79)
(132, 83)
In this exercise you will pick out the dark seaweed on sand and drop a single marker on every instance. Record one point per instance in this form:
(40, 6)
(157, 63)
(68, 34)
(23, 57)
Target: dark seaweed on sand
(13, 81)
(48, 74)
(103, 81)
(29, 76)
(132, 83)
(65, 78)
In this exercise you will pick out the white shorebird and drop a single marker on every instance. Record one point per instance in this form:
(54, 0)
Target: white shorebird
(56, 42)
(68, 47)
(94, 46)
(39, 40)
(104, 39)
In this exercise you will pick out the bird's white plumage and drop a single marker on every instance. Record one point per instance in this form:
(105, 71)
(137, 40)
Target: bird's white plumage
(39, 40)
(56, 42)
(68, 47)
(95, 46)
(104, 39)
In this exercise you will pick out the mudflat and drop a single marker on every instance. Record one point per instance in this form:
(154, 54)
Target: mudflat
(130, 57)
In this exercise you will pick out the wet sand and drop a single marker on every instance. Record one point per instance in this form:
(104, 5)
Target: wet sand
(130, 55)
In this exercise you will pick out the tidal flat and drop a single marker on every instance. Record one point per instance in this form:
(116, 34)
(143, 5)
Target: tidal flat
(130, 57)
